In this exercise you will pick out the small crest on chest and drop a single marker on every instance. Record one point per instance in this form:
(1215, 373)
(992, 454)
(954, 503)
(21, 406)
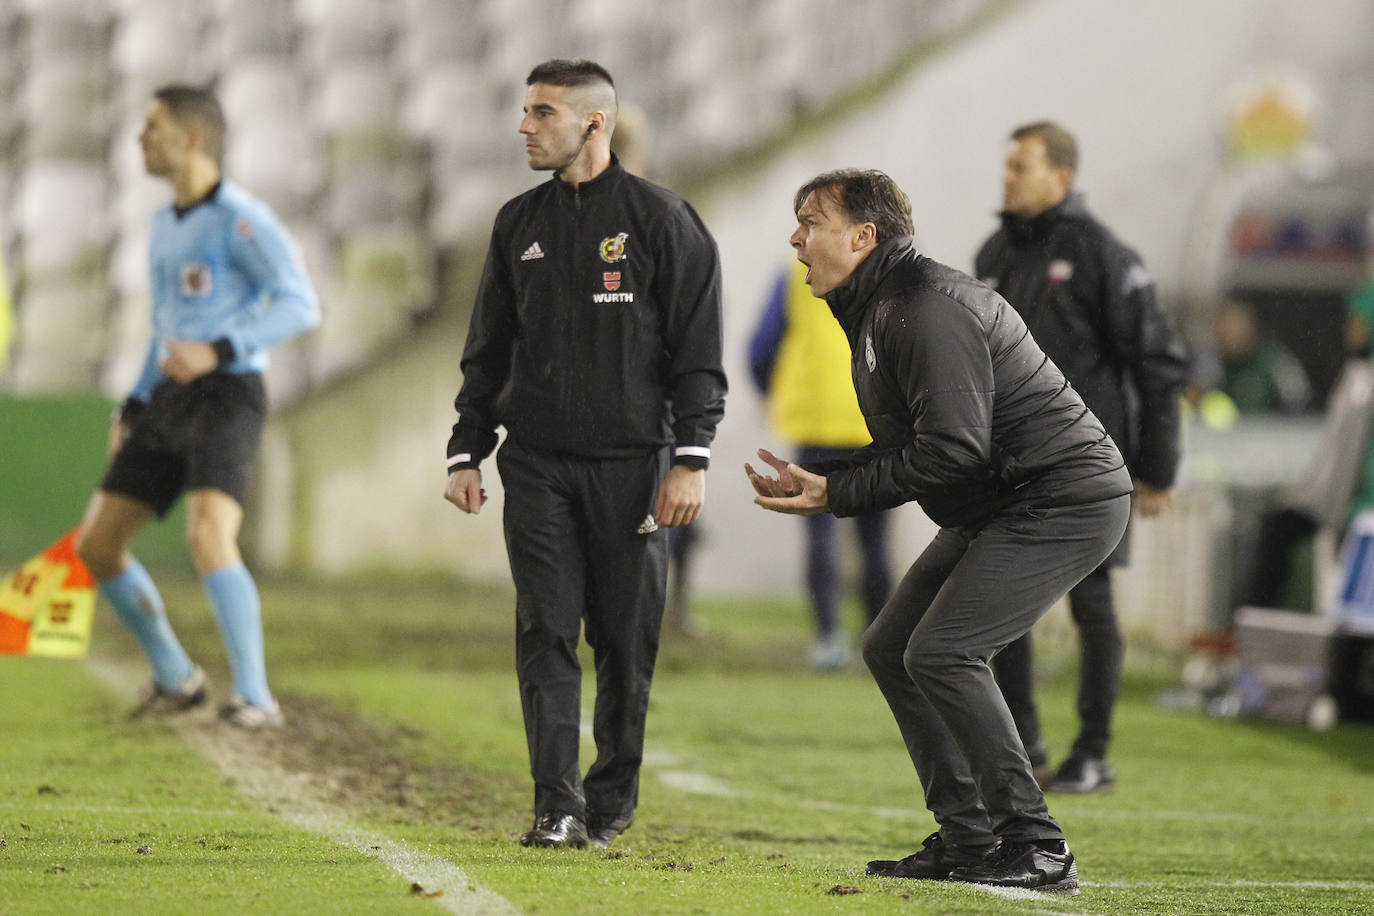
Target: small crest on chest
(195, 279)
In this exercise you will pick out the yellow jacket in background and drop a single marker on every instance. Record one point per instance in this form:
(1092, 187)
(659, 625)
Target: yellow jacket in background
(810, 392)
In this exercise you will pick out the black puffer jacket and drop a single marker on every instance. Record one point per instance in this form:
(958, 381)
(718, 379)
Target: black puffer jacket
(1091, 305)
(968, 415)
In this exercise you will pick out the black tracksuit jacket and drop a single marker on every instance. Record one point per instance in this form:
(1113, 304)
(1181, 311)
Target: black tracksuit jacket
(1091, 306)
(597, 327)
(968, 416)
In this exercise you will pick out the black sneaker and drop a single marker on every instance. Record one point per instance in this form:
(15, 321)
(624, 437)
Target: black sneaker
(556, 829)
(1081, 775)
(933, 862)
(602, 831)
(1042, 865)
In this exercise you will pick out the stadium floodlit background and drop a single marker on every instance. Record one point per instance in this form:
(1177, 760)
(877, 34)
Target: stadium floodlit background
(383, 131)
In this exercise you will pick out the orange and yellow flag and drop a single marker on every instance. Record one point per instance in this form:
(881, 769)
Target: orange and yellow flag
(47, 606)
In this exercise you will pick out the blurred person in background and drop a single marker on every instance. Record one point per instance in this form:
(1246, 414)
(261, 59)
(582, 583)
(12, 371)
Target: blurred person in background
(632, 143)
(228, 283)
(1338, 481)
(799, 360)
(6, 314)
(1090, 304)
(972, 421)
(1257, 373)
(596, 342)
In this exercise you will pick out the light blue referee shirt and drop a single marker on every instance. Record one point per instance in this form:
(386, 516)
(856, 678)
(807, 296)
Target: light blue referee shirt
(227, 272)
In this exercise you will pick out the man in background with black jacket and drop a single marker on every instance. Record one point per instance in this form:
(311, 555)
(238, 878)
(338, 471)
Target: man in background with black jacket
(970, 420)
(1090, 304)
(596, 342)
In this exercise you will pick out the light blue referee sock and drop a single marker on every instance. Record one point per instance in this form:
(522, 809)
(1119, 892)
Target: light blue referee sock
(136, 602)
(238, 610)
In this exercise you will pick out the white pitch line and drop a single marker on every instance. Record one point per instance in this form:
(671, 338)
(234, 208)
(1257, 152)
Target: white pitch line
(138, 809)
(1272, 885)
(701, 783)
(1026, 895)
(286, 795)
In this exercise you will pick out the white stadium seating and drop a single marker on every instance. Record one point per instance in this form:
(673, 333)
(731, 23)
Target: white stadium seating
(384, 131)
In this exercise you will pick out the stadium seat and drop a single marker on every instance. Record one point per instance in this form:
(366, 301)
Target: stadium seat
(63, 101)
(128, 332)
(437, 33)
(279, 161)
(466, 198)
(128, 266)
(451, 105)
(60, 336)
(386, 279)
(367, 198)
(61, 214)
(263, 28)
(262, 88)
(342, 31)
(155, 42)
(356, 96)
(67, 17)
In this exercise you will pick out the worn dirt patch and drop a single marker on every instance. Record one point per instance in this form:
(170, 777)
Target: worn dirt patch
(328, 758)
(372, 770)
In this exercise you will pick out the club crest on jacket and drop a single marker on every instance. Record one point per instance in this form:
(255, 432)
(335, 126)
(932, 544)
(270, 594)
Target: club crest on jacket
(613, 249)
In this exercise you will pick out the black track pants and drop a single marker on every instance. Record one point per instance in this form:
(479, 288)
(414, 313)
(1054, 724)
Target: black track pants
(576, 557)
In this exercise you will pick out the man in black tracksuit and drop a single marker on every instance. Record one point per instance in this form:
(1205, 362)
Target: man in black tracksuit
(596, 343)
(1091, 306)
(972, 421)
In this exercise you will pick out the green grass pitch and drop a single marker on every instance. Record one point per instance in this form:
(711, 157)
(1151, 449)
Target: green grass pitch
(765, 789)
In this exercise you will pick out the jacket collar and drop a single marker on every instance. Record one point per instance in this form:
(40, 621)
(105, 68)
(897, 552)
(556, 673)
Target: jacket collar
(597, 185)
(849, 302)
(1035, 228)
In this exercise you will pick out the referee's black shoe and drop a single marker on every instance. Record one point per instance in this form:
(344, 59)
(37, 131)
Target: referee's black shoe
(602, 831)
(1081, 775)
(932, 862)
(556, 829)
(1042, 865)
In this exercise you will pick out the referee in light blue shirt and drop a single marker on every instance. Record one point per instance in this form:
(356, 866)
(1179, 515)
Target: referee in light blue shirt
(228, 283)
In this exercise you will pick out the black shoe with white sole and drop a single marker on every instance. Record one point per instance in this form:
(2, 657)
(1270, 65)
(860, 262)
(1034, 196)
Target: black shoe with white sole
(1042, 865)
(555, 829)
(1081, 775)
(932, 862)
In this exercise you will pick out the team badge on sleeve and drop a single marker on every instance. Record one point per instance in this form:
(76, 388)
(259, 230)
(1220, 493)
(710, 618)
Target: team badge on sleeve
(1060, 272)
(613, 249)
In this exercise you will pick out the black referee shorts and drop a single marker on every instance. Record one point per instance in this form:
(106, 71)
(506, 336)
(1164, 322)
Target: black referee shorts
(190, 437)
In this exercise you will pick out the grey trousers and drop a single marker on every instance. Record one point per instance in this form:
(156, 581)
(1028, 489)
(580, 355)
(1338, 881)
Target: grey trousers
(971, 592)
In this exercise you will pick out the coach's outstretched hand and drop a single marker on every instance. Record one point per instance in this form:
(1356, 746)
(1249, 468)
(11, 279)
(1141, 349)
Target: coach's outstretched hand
(795, 491)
